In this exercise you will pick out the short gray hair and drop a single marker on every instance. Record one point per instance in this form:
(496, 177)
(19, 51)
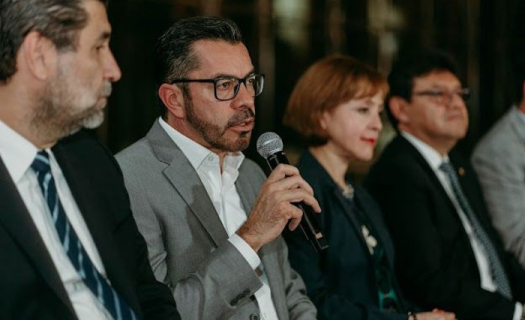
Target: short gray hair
(57, 20)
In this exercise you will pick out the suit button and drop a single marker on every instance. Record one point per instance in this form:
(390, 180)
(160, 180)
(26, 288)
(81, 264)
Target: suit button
(254, 316)
(235, 301)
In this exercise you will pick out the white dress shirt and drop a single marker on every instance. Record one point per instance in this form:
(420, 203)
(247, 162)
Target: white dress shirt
(434, 160)
(222, 192)
(17, 154)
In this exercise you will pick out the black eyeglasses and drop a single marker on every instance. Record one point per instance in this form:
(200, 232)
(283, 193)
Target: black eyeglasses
(227, 88)
(441, 96)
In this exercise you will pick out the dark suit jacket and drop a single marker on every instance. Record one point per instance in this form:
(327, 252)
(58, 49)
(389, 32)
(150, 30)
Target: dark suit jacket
(340, 281)
(30, 287)
(435, 261)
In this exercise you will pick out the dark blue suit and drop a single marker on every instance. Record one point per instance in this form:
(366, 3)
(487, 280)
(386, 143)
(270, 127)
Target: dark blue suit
(30, 286)
(340, 281)
(435, 262)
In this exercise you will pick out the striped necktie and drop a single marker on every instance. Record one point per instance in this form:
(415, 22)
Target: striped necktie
(105, 294)
(498, 272)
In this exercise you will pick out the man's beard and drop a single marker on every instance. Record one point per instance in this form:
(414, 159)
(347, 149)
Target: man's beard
(62, 112)
(214, 134)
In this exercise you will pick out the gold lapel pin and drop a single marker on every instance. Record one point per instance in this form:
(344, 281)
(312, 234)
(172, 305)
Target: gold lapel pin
(461, 171)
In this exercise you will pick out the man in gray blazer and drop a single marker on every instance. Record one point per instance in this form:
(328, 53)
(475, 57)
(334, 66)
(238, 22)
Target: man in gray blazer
(211, 219)
(499, 160)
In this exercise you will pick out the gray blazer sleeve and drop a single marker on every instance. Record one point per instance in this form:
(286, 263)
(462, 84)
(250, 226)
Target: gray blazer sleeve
(499, 160)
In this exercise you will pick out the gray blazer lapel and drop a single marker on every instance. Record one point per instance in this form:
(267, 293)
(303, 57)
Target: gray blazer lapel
(182, 176)
(245, 190)
(268, 253)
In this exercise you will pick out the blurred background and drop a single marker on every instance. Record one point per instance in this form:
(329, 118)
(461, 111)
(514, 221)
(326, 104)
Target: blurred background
(285, 36)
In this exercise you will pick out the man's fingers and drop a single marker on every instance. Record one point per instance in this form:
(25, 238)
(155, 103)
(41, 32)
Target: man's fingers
(297, 215)
(299, 195)
(282, 171)
(312, 202)
(295, 182)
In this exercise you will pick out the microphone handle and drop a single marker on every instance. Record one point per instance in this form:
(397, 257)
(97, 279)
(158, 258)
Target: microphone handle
(308, 223)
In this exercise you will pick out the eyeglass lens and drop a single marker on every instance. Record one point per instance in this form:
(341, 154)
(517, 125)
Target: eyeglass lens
(227, 88)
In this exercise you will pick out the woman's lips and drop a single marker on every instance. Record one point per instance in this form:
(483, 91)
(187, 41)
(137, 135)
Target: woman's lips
(371, 141)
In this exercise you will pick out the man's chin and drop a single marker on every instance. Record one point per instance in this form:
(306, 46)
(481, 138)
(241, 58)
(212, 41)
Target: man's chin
(93, 121)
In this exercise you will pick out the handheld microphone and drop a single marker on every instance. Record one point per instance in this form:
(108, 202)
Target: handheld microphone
(270, 147)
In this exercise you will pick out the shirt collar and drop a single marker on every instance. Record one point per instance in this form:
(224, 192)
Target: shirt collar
(196, 153)
(16, 152)
(433, 157)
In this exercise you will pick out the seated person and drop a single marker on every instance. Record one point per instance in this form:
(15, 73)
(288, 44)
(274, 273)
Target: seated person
(449, 255)
(336, 107)
(499, 161)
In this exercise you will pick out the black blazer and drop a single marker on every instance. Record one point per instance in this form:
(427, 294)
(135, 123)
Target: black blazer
(340, 281)
(30, 287)
(435, 261)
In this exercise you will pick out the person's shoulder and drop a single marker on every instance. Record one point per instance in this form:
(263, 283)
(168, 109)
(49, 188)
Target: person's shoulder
(84, 150)
(136, 153)
(314, 173)
(84, 144)
(397, 156)
(137, 148)
(499, 137)
(399, 164)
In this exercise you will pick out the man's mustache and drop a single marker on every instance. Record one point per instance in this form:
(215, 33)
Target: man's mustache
(241, 117)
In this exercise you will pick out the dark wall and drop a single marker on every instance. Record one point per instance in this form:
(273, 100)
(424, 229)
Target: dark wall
(478, 33)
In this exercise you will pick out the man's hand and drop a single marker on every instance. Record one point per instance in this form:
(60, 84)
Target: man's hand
(274, 206)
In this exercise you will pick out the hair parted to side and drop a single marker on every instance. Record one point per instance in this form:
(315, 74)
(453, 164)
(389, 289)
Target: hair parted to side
(57, 20)
(174, 53)
(325, 85)
(411, 65)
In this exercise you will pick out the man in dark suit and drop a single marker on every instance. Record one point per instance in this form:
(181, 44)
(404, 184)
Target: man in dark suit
(70, 248)
(449, 255)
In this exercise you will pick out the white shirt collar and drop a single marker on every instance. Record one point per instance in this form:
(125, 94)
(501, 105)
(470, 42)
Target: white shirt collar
(433, 158)
(196, 153)
(16, 152)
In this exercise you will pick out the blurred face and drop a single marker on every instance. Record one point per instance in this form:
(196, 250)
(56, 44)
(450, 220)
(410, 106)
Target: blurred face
(77, 94)
(222, 126)
(437, 113)
(353, 127)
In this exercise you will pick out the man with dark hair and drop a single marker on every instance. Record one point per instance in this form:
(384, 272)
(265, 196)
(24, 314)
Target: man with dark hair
(499, 160)
(70, 246)
(211, 219)
(449, 255)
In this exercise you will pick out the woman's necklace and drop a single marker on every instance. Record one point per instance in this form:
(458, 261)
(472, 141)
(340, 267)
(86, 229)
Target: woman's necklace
(348, 191)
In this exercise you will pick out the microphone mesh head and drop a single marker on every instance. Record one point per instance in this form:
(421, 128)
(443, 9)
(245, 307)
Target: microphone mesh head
(269, 143)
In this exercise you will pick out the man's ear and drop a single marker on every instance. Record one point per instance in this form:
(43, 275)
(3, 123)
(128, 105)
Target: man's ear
(172, 97)
(398, 106)
(38, 55)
